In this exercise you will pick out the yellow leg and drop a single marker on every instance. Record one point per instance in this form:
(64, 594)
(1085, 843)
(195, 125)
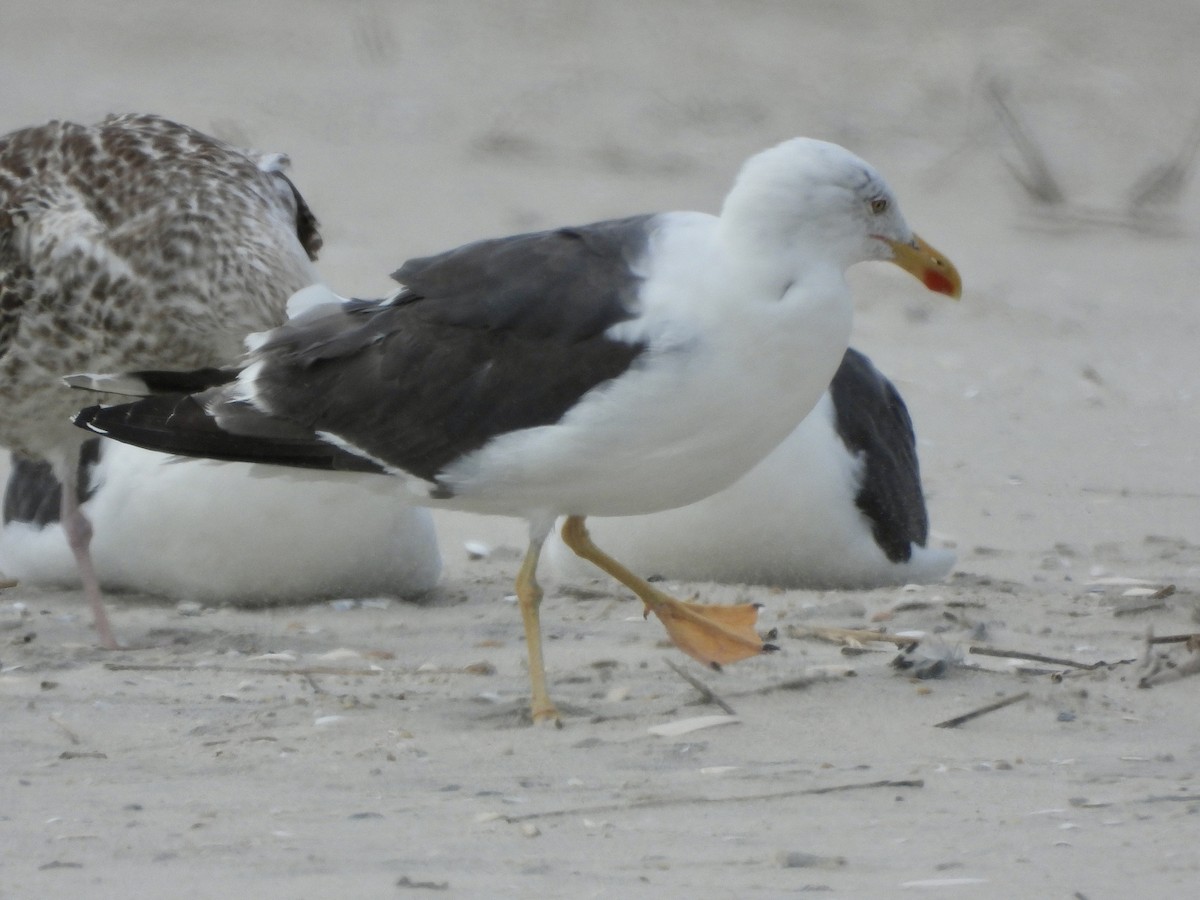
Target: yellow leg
(714, 635)
(529, 595)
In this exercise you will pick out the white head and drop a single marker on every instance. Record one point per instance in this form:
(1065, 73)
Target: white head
(818, 202)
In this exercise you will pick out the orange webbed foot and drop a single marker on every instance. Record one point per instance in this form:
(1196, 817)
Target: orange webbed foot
(713, 635)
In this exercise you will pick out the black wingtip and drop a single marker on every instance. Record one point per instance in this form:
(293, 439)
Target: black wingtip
(86, 417)
(178, 425)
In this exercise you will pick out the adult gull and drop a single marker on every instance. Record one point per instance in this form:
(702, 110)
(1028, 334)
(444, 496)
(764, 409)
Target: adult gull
(219, 532)
(618, 368)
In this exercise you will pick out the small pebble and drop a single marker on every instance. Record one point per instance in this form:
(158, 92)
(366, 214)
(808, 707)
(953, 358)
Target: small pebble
(477, 549)
(798, 859)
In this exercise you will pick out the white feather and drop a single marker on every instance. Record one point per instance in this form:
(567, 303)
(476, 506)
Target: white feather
(312, 296)
(228, 532)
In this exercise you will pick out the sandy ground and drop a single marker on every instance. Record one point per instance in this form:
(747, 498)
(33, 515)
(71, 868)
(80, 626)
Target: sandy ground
(377, 750)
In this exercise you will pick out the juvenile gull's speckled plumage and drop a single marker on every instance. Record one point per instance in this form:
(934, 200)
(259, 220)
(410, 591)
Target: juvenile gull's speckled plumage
(137, 243)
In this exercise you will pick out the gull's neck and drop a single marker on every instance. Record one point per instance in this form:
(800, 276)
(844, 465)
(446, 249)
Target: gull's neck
(775, 263)
(766, 237)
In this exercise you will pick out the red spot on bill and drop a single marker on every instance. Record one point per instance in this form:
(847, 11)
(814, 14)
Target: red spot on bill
(936, 281)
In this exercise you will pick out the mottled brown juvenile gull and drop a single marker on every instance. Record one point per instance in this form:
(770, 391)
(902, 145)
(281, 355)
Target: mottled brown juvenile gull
(134, 244)
(611, 369)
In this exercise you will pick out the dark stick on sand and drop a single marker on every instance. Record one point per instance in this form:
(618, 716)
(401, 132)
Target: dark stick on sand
(983, 710)
(706, 693)
(1035, 657)
(658, 802)
(1194, 637)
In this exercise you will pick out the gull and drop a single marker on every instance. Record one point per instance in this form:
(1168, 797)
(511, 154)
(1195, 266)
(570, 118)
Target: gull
(612, 369)
(134, 244)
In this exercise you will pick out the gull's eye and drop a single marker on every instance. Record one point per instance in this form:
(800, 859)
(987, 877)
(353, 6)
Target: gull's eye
(879, 205)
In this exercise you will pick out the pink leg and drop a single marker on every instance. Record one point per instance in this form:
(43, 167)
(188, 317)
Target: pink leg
(79, 537)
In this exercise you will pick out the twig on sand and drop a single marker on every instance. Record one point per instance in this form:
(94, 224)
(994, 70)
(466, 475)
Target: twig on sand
(307, 671)
(849, 635)
(1165, 183)
(1193, 638)
(1170, 798)
(1049, 660)
(1149, 603)
(1035, 177)
(243, 670)
(1149, 199)
(983, 710)
(649, 802)
(71, 735)
(707, 694)
(813, 675)
(406, 882)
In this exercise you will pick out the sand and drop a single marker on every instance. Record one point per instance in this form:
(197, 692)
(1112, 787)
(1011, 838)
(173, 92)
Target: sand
(377, 749)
